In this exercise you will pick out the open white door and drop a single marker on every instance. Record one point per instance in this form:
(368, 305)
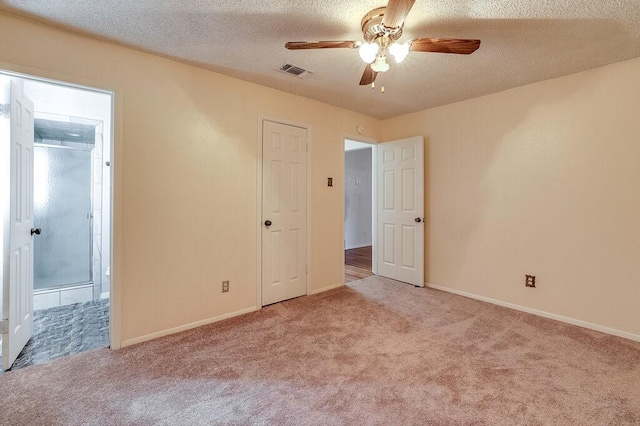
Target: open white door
(400, 210)
(18, 230)
(284, 212)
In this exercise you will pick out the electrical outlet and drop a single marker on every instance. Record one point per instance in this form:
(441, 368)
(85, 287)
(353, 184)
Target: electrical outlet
(225, 286)
(530, 281)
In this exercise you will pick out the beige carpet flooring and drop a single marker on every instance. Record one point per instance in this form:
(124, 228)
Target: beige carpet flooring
(376, 352)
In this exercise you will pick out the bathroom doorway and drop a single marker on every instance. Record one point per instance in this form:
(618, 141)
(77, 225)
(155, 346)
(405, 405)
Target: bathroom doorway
(71, 217)
(359, 238)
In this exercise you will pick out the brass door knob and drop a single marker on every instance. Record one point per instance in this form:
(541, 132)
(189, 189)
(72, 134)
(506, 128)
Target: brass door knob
(267, 222)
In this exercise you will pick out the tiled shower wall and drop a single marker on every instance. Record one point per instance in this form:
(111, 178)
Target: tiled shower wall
(97, 214)
(101, 215)
(106, 214)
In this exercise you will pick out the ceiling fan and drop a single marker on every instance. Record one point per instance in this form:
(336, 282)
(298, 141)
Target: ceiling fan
(381, 28)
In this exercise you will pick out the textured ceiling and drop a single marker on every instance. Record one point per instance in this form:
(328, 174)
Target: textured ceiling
(523, 41)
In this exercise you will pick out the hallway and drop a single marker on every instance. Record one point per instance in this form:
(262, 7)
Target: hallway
(357, 264)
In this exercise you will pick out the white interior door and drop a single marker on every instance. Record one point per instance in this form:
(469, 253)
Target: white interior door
(400, 210)
(284, 212)
(18, 253)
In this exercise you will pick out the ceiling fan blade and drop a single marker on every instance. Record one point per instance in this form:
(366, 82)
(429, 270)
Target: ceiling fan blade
(445, 45)
(296, 45)
(396, 12)
(368, 76)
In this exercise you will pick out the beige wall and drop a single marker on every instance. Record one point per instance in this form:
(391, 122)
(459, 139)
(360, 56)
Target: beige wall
(185, 175)
(541, 179)
(544, 180)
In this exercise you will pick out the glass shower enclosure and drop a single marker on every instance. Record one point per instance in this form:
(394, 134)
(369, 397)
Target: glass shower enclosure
(63, 211)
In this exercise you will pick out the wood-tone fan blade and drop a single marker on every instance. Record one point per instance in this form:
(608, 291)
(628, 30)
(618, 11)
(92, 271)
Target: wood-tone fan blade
(295, 45)
(445, 45)
(396, 12)
(368, 76)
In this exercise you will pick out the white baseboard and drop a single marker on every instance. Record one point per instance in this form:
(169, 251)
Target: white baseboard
(196, 324)
(579, 323)
(323, 289)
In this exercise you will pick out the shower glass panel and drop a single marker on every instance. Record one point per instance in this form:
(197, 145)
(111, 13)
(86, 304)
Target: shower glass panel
(62, 209)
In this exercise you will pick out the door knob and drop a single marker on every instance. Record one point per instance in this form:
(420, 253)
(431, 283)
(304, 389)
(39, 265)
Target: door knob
(267, 222)
(36, 231)
(418, 220)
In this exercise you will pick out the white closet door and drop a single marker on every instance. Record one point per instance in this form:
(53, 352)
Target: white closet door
(284, 212)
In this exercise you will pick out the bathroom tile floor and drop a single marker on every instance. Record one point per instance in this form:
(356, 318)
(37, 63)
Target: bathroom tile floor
(66, 330)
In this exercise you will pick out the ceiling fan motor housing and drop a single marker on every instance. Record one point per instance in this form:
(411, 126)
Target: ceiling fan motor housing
(373, 29)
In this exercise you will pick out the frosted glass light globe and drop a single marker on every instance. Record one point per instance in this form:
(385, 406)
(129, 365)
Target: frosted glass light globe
(380, 65)
(368, 52)
(399, 51)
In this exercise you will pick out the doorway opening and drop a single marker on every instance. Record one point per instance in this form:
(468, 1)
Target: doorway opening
(359, 230)
(71, 210)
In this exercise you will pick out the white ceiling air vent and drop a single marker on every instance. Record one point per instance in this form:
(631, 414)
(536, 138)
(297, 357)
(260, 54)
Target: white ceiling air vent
(294, 70)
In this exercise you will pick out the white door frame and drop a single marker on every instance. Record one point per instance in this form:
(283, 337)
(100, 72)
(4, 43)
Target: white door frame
(374, 197)
(261, 118)
(28, 73)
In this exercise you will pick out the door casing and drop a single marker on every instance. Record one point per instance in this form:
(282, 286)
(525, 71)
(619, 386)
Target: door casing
(18, 71)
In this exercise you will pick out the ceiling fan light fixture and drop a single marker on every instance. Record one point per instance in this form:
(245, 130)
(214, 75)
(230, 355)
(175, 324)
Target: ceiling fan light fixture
(381, 28)
(399, 51)
(368, 52)
(380, 65)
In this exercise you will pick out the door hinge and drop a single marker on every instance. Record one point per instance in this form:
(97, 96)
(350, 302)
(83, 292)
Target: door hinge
(4, 326)
(306, 269)
(307, 145)
(5, 110)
